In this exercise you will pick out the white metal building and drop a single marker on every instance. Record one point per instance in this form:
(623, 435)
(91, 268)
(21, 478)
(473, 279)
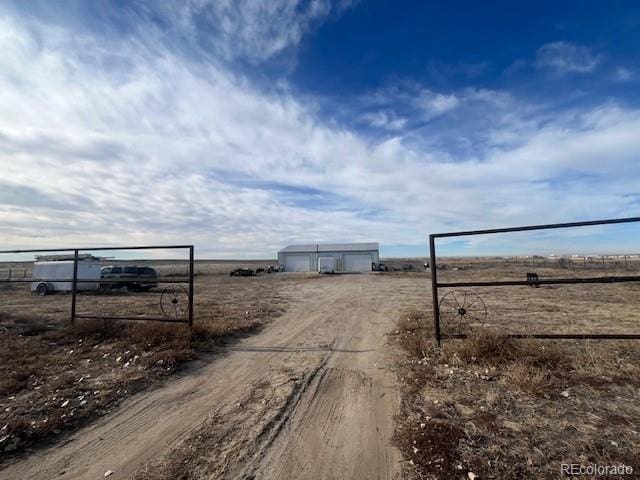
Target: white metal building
(338, 257)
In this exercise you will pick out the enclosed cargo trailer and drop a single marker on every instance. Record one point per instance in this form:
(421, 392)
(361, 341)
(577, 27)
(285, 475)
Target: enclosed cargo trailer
(45, 272)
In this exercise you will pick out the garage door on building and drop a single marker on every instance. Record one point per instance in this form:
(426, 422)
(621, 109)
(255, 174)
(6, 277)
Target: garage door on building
(357, 262)
(297, 263)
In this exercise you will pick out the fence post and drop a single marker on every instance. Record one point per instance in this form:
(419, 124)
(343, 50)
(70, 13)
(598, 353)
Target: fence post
(74, 286)
(191, 262)
(434, 288)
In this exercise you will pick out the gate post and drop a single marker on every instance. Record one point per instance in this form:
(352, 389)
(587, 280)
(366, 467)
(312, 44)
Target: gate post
(434, 288)
(74, 286)
(191, 263)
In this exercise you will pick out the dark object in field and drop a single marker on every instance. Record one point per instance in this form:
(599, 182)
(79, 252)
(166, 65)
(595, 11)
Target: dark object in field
(533, 280)
(131, 277)
(242, 272)
(380, 267)
(407, 266)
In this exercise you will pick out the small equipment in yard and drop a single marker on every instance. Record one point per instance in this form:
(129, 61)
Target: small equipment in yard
(242, 272)
(533, 280)
(54, 273)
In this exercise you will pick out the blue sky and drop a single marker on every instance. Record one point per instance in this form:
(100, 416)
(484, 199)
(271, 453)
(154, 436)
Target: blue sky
(243, 126)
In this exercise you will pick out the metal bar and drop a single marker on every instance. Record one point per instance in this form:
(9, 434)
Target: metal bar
(550, 281)
(191, 262)
(536, 227)
(153, 319)
(434, 288)
(74, 287)
(39, 250)
(89, 249)
(95, 280)
(560, 336)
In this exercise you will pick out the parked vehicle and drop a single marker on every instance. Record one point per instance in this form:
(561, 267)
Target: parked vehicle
(132, 277)
(380, 267)
(61, 268)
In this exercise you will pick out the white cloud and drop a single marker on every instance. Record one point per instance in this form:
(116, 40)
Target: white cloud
(436, 103)
(249, 29)
(622, 74)
(565, 57)
(385, 120)
(166, 150)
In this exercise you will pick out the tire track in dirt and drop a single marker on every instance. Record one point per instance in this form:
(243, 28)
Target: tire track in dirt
(342, 426)
(335, 422)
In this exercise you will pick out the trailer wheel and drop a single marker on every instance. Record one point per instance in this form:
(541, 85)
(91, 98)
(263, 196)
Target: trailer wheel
(42, 289)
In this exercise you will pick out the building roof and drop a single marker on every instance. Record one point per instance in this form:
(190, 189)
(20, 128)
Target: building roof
(330, 247)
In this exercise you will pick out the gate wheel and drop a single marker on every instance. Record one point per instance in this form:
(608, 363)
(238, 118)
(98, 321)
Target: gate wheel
(174, 302)
(459, 309)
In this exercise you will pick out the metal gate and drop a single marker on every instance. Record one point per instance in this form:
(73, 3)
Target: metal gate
(170, 297)
(530, 281)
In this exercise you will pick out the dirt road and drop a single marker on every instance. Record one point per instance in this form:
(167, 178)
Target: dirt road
(311, 396)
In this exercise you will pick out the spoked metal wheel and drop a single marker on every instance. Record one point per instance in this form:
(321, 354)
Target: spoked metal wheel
(459, 309)
(174, 302)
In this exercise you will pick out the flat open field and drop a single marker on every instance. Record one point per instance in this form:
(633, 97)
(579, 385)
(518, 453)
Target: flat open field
(325, 382)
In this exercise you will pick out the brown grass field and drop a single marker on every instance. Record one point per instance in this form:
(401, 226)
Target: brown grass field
(509, 408)
(495, 407)
(55, 377)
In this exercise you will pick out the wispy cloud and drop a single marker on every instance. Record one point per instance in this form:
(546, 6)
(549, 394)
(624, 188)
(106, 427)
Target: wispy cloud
(436, 103)
(565, 57)
(385, 120)
(165, 149)
(247, 29)
(622, 74)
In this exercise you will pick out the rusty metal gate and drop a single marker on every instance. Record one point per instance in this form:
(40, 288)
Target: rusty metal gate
(532, 280)
(176, 303)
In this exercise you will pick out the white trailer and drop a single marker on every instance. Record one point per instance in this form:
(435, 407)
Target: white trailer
(43, 271)
(326, 265)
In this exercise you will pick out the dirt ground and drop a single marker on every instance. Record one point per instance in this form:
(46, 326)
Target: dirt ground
(54, 378)
(310, 396)
(327, 387)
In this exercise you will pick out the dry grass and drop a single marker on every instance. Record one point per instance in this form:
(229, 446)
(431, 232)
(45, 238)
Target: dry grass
(56, 378)
(505, 408)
